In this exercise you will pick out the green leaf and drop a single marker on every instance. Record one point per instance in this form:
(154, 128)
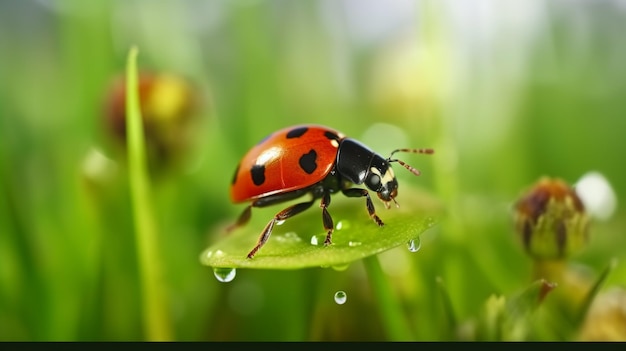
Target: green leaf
(524, 304)
(292, 245)
(509, 319)
(595, 289)
(448, 309)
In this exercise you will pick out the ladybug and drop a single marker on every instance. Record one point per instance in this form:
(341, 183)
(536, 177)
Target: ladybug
(314, 160)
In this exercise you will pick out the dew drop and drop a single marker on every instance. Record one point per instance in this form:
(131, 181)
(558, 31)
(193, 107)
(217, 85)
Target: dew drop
(280, 222)
(224, 275)
(292, 237)
(414, 245)
(314, 240)
(288, 238)
(340, 297)
(430, 221)
(318, 239)
(343, 224)
(354, 243)
(218, 253)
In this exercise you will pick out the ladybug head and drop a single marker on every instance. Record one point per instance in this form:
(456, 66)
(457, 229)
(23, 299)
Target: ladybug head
(389, 185)
(381, 179)
(360, 165)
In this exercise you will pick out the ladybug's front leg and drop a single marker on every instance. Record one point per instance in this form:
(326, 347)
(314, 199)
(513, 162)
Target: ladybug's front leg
(280, 216)
(357, 192)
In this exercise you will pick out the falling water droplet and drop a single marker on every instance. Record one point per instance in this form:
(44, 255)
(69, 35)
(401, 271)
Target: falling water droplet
(224, 275)
(414, 245)
(340, 297)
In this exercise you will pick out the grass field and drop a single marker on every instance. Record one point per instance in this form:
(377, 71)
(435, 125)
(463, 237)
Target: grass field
(100, 243)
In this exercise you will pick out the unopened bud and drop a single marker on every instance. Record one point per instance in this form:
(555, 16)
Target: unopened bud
(551, 220)
(168, 106)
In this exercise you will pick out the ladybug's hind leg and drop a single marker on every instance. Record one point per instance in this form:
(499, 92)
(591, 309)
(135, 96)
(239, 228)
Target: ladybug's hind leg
(280, 216)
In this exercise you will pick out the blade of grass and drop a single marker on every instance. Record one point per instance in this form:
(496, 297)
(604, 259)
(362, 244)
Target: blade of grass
(156, 318)
(452, 326)
(391, 311)
(591, 295)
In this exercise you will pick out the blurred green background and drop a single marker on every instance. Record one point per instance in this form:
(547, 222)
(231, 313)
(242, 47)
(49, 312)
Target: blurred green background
(506, 92)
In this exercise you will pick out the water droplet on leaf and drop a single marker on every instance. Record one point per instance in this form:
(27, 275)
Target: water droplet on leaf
(318, 239)
(343, 224)
(289, 238)
(430, 221)
(314, 240)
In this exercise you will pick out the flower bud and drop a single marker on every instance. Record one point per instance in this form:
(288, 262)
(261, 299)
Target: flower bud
(551, 220)
(168, 103)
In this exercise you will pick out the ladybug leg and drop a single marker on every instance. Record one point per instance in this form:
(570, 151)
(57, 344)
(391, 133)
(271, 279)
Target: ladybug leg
(244, 217)
(357, 192)
(242, 220)
(280, 216)
(327, 219)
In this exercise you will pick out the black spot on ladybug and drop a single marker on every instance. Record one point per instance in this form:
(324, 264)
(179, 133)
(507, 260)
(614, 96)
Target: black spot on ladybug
(296, 132)
(307, 162)
(258, 174)
(235, 175)
(331, 135)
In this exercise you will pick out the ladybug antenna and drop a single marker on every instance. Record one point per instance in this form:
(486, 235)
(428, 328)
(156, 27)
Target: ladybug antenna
(405, 165)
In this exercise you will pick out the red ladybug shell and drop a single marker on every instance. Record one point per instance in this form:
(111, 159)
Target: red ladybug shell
(289, 159)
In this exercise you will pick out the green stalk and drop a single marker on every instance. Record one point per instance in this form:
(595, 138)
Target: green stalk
(390, 310)
(156, 318)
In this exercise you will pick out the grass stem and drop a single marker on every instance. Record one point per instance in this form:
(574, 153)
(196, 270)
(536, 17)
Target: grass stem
(390, 309)
(155, 315)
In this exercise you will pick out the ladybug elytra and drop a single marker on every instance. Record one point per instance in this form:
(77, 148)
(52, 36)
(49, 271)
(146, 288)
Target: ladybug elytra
(315, 160)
